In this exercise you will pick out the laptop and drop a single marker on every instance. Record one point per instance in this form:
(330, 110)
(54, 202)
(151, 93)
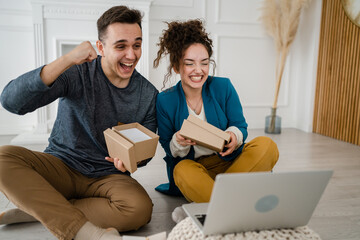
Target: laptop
(257, 201)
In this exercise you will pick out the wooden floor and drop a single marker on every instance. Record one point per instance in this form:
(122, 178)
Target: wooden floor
(337, 215)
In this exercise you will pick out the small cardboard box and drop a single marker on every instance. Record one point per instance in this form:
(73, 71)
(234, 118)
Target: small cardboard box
(204, 133)
(131, 143)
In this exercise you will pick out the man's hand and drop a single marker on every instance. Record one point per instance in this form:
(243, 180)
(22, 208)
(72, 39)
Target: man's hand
(82, 53)
(231, 145)
(119, 165)
(183, 141)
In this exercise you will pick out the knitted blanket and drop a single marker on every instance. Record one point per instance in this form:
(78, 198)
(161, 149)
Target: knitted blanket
(186, 229)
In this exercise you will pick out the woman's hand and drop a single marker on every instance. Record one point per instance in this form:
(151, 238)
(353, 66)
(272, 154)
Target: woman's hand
(183, 141)
(231, 145)
(119, 165)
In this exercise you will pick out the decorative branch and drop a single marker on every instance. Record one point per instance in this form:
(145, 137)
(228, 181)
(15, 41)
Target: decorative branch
(281, 20)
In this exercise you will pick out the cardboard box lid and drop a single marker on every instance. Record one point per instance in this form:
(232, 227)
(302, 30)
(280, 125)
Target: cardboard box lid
(211, 128)
(204, 133)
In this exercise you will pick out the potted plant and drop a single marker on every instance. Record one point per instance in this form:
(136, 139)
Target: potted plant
(281, 20)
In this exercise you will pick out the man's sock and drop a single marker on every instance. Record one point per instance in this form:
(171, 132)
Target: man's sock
(15, 216)
(91, 232)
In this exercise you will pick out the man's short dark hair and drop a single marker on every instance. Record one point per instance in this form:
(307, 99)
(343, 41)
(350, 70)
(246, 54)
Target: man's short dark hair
(121, 14)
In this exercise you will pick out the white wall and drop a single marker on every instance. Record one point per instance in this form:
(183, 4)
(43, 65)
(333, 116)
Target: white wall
(17, 56)
(304, 67)
(242, 51)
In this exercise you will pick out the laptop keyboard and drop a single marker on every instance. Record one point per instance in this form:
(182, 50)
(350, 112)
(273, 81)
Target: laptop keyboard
(201, 218)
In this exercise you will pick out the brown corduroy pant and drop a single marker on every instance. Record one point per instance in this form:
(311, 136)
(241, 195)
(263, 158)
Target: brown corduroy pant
(62, 199)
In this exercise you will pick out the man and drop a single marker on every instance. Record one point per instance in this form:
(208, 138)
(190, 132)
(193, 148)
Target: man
(71, 188)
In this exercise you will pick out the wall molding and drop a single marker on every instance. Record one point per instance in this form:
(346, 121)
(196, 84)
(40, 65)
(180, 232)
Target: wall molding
(17, 12)
(168, 3)
(131, 3)
(197, 9)
(75, 12)
(18, 28)
(59, 42)
(85, 10)
(218, 19)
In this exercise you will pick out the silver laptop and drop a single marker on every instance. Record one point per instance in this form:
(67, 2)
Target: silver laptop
(258, 201)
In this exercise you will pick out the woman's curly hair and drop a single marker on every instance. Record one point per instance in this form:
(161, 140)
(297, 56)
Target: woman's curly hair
(177, 38)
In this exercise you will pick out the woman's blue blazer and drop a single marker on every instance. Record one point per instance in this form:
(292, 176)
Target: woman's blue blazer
(222, 109)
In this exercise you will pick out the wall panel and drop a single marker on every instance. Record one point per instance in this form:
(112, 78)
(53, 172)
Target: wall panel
(337, 108)
(249, 63)
(238, 12)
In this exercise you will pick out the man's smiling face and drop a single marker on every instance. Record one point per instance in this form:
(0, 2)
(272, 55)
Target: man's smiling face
(120, 50)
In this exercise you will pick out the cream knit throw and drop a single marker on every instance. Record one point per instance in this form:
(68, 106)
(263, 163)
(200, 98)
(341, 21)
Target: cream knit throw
(186, 229)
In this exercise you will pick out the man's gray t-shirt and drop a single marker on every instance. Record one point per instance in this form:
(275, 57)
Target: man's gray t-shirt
(88, 104)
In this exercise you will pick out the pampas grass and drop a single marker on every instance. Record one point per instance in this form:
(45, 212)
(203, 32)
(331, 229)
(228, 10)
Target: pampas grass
(281, 20)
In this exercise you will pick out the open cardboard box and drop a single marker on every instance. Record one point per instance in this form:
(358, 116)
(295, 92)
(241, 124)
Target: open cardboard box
(131, 143)
(204, 133)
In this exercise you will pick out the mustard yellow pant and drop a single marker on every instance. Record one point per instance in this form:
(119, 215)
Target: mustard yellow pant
(195, 179)
(63, 199)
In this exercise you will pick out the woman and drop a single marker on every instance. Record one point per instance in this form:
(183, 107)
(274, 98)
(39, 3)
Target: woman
(192, 168)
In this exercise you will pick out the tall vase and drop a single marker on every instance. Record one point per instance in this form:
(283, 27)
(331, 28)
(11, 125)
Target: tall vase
(273, 123)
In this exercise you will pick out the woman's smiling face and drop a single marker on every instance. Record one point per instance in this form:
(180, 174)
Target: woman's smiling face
(194, 66)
